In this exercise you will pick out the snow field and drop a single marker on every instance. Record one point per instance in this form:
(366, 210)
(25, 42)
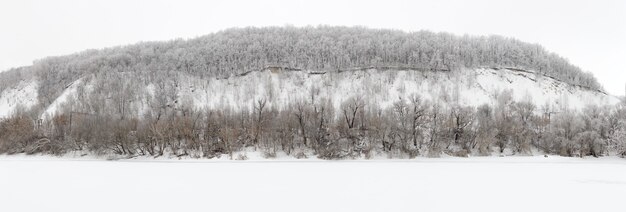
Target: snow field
(44, 183)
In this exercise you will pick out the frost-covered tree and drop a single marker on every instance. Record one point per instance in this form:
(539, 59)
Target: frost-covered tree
(237, 51)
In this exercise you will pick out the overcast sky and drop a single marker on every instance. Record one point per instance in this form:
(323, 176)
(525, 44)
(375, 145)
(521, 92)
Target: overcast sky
(589, 33)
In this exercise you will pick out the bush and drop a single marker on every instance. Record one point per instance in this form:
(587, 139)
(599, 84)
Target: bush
(242, 156)
(16, 133)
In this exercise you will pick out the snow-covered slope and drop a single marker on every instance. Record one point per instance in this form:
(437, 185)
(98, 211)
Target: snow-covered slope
(382, 88)
(70, 93)
(23, 94)
(378, 88)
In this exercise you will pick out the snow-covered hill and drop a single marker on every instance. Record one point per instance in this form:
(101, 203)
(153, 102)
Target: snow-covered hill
(379, 88)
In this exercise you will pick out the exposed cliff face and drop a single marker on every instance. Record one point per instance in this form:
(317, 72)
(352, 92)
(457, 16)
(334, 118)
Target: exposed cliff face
(281, 87)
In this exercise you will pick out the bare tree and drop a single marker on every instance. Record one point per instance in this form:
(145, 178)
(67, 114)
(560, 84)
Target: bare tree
(350, 109)
(259, 107)
(435, 116)
(485, 130)
(419, 110)
(302, 116)
(522, 131)
(462, 118)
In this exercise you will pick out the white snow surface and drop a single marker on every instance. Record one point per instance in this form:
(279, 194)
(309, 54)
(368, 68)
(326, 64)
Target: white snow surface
(534, 183)
(23, 94)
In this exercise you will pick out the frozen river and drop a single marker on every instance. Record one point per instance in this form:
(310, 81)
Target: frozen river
(444, 184)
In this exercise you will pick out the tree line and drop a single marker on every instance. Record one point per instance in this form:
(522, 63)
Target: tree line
(312, 128)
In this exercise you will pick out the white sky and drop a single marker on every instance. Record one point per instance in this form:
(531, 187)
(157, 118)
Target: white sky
(589, 33)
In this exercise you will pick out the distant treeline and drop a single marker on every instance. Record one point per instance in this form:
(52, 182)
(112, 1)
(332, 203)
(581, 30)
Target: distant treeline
(240, 50)
(410, 128)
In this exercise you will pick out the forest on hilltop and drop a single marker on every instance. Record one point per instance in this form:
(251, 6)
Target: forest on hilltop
(239, 50)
